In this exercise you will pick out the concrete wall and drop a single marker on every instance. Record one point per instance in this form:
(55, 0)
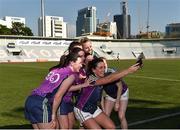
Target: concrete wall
(50, 49)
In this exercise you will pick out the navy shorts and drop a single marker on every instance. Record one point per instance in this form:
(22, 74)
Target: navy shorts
(37, 109)
(65, 108)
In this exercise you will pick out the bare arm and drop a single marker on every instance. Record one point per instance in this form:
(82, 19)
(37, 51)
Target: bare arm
(59, 94)
(116, 105)
(117, 75)
(79, 86)
(119, 85)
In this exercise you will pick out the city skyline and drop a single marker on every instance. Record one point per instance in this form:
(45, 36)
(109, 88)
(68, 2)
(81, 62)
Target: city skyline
(162, 12)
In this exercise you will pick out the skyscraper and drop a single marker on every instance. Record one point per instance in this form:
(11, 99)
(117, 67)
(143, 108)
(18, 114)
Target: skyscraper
(86, 21)
(123, 22)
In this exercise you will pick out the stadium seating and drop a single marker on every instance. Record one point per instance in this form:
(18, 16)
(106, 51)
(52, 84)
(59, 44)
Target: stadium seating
(52, 50)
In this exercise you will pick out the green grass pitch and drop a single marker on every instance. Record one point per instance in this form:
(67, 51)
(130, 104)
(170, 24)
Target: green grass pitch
(154, 93)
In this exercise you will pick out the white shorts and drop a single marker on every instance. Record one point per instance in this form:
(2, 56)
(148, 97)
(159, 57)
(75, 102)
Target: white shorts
(125, 96)
(83, 116)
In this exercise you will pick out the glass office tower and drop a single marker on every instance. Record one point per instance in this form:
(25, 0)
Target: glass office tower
(86, 21)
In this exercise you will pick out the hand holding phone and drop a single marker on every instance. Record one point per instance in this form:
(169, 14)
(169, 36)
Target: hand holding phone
(140, 59)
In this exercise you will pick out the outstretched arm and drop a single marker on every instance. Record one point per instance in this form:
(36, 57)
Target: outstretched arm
(117, 75)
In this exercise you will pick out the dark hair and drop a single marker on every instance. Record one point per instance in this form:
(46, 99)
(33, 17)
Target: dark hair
(70, 57)
(103, 58)
(92, 65)
(87, 54)
(76, 50)
(65, 60)
(72, 46)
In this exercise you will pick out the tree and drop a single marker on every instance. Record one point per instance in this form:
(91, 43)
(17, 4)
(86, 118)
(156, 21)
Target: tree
(19, 29)
(27, 31)
(4, 30)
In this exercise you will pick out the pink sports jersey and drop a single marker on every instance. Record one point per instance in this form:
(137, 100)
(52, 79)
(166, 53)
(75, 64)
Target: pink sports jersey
(53, 80)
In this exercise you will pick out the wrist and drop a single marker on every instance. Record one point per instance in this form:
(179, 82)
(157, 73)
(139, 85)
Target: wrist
(53, 116)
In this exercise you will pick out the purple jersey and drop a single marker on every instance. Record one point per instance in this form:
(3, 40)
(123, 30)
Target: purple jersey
(82, 76)
(89, 98)
(78, 80)
(52, 81)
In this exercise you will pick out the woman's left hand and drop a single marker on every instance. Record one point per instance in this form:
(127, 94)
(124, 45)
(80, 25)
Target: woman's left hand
(116, 105)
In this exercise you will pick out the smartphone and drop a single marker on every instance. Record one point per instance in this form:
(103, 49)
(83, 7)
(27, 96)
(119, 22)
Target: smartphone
(140, 59)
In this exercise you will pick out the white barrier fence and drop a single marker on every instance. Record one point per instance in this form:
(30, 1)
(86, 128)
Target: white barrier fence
(51, 50)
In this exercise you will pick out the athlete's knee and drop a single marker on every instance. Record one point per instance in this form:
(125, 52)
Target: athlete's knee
(64, 125)
(111, 126)
(122, 116)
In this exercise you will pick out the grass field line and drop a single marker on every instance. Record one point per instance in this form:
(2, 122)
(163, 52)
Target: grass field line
(154, 119)
(156, 78)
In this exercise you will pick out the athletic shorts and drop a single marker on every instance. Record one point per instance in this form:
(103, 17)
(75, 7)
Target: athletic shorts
(82, 116)
(37, 109)
(65, 108)
(124, 96)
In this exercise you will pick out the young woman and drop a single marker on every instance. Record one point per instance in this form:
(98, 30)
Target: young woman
(87, 47)
(87, 109)
(117, 95)
(65, 112)
(38, 106)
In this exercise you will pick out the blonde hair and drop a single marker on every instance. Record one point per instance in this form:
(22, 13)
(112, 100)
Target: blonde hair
(84, 40)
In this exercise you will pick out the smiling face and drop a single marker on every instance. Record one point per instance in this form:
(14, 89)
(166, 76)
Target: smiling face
(105, 62)
(99, 70)
(76, 66)
(87, 47)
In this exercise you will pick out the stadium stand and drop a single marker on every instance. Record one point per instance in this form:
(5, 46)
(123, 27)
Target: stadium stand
(25, 49)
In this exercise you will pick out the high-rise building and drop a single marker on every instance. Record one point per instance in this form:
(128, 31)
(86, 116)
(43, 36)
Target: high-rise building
(8, 20)
(54, 27)
(86, 21)
(123, 22)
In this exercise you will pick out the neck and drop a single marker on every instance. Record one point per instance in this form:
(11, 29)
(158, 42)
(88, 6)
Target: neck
(71, 68)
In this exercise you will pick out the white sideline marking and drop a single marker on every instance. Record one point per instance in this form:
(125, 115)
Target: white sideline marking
(155, 78)
(153, 119)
